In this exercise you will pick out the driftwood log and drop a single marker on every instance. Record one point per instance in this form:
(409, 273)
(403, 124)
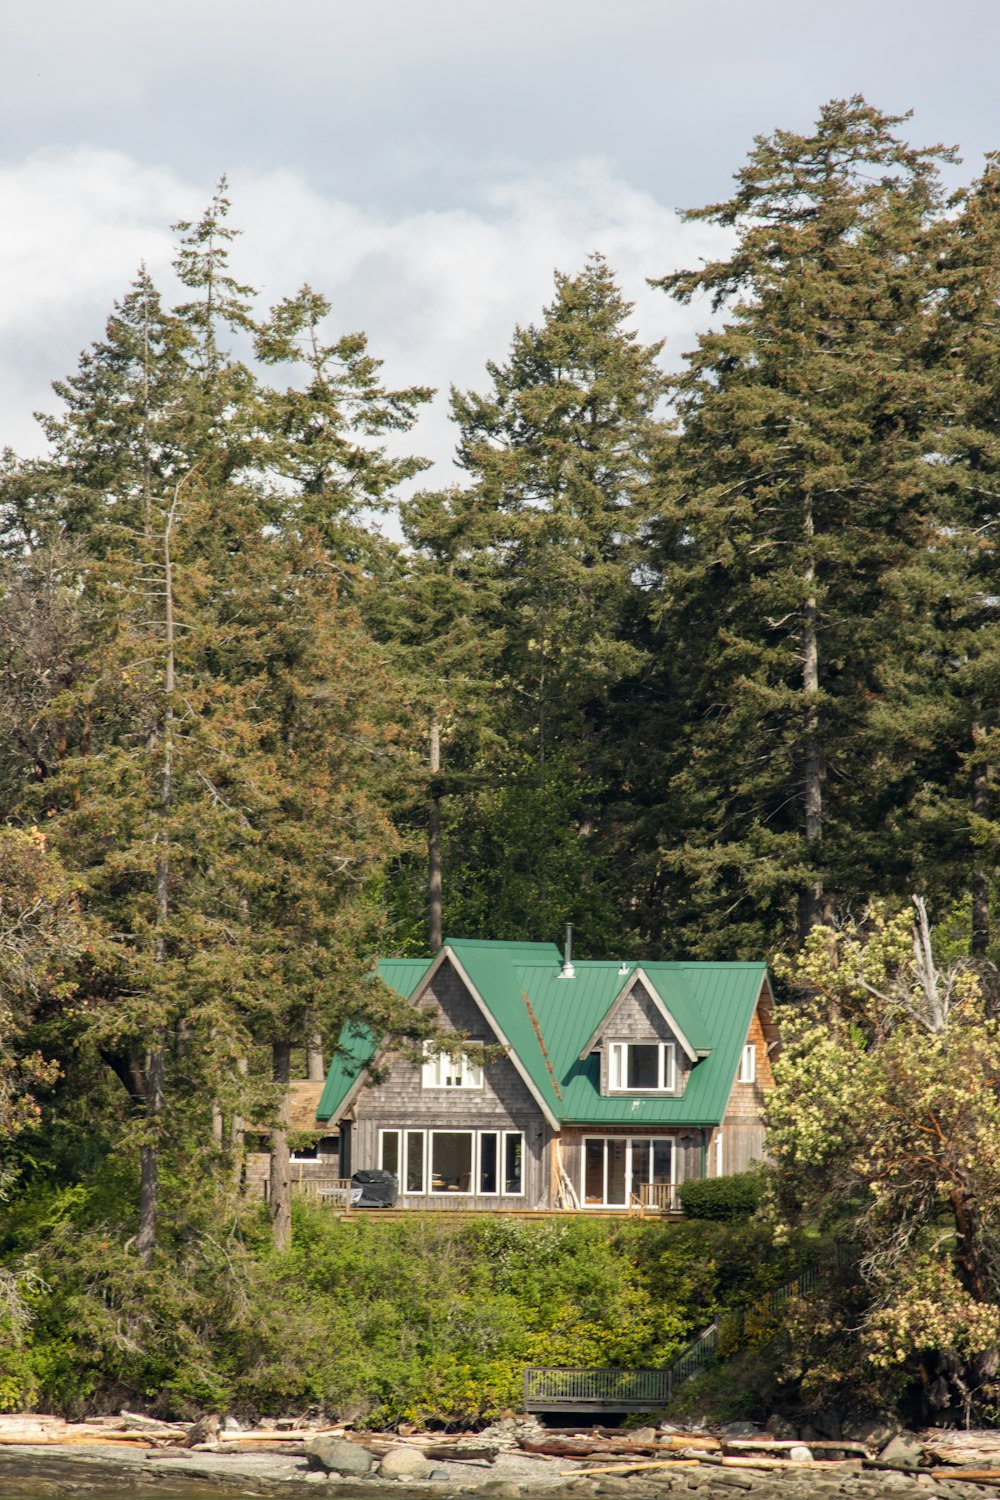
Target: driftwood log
(587, 1447)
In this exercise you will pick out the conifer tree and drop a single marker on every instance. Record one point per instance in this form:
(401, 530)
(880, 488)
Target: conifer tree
(800, 523)
(547, 537)
(217, 791)
(953, 683)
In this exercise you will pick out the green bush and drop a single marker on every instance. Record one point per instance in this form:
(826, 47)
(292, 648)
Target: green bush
(734, 1197)
(419, 1319)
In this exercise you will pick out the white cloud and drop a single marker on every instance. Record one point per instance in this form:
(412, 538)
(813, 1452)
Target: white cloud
(438, 292)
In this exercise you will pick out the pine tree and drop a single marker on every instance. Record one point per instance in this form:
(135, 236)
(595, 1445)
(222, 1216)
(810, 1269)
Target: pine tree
(800, 528)
(220, 759)
(546, 539)
(955, 680)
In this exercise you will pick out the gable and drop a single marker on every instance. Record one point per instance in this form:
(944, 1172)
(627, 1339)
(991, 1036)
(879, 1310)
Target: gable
(513, 995)
(639, 1014)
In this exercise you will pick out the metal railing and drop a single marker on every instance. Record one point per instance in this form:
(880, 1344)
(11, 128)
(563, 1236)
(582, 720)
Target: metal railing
(595, 1390)
(645, 1390)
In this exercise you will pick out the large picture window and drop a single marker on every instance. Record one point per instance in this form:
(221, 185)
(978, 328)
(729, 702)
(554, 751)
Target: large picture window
(642, 1067)
(487, 1163)
(450, 1070)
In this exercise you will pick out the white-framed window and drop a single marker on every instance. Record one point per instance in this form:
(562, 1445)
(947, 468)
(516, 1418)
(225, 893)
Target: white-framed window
(402, 1152)
(449, 1070)
(748, 1064)
(616, 1168)
(485, 1163)
(642, 1067)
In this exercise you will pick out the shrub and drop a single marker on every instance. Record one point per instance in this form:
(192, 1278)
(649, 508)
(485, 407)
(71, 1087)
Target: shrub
(734, 1197)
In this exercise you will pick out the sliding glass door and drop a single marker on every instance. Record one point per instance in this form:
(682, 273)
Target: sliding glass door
(616, 1167)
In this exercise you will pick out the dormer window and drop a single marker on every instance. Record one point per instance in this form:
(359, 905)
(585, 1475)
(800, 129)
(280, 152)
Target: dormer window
(642, 1068)
(450, 1070)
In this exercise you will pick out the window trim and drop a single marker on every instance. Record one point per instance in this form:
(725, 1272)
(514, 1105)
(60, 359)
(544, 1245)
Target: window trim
(403, 1133)
(463, 1074)
(666, 1067)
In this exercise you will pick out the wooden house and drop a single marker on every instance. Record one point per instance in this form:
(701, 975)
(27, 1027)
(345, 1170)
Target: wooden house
(594, 1085)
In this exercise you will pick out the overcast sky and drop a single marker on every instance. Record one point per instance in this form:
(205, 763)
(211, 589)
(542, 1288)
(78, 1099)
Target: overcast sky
(426, 163)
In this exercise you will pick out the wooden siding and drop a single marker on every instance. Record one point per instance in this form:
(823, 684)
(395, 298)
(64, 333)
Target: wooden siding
(742, 1126)
(503, 1103)
(636, 1019)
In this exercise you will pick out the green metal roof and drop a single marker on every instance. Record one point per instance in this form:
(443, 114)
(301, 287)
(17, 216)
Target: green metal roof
(358, 1045)
(548, 1021)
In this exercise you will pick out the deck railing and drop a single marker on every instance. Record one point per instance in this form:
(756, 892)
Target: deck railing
(595, 1390)
(333, 1191)
(659, 1197)
(645, 1390)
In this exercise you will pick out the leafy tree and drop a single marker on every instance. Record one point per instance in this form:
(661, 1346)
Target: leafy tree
(794, 552)
(886, 1120)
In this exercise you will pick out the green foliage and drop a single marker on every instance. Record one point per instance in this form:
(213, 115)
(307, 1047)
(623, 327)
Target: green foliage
(886, 1116)
(380, 1321)
(734, 1197)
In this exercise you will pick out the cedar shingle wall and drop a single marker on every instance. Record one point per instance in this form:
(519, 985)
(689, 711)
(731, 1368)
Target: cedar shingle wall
(742, 1127)
(503, 1103)
(637, 1019)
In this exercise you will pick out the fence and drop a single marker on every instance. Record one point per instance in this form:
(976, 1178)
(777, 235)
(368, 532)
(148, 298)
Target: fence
(595, 1390)
(645, 1390)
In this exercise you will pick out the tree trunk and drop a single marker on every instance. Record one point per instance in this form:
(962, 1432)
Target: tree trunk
(980, 881)
(315, 1071)
(434, 909)
(149, 1168)
(814, 903)
(236, 1130)
(967, 1253)
(281, 1175)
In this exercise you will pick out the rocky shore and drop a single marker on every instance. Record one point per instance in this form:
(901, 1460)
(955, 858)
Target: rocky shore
(723, 1466)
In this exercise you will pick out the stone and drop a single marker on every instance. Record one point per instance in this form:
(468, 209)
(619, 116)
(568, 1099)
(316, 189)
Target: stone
(800, 1454)
(642, 1435)
(205, 1430)
(875, 1432)
(500, 1489)
(615, 1484)
(780, 1428)
(338, 1455)
(740, 1429)
(440, 1476)
(827, 1424)
(404, 1463)
(905, 1449)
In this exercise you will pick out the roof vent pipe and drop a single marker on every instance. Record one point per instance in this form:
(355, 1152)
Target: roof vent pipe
(567, 971)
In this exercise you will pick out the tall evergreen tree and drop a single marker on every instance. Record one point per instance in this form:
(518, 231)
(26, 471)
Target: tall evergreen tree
(547, 537)
(217, 791)
(798, 537)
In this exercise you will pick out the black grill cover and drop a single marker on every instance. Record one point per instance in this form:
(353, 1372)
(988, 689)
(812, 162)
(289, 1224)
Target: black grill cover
(378, 1189)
